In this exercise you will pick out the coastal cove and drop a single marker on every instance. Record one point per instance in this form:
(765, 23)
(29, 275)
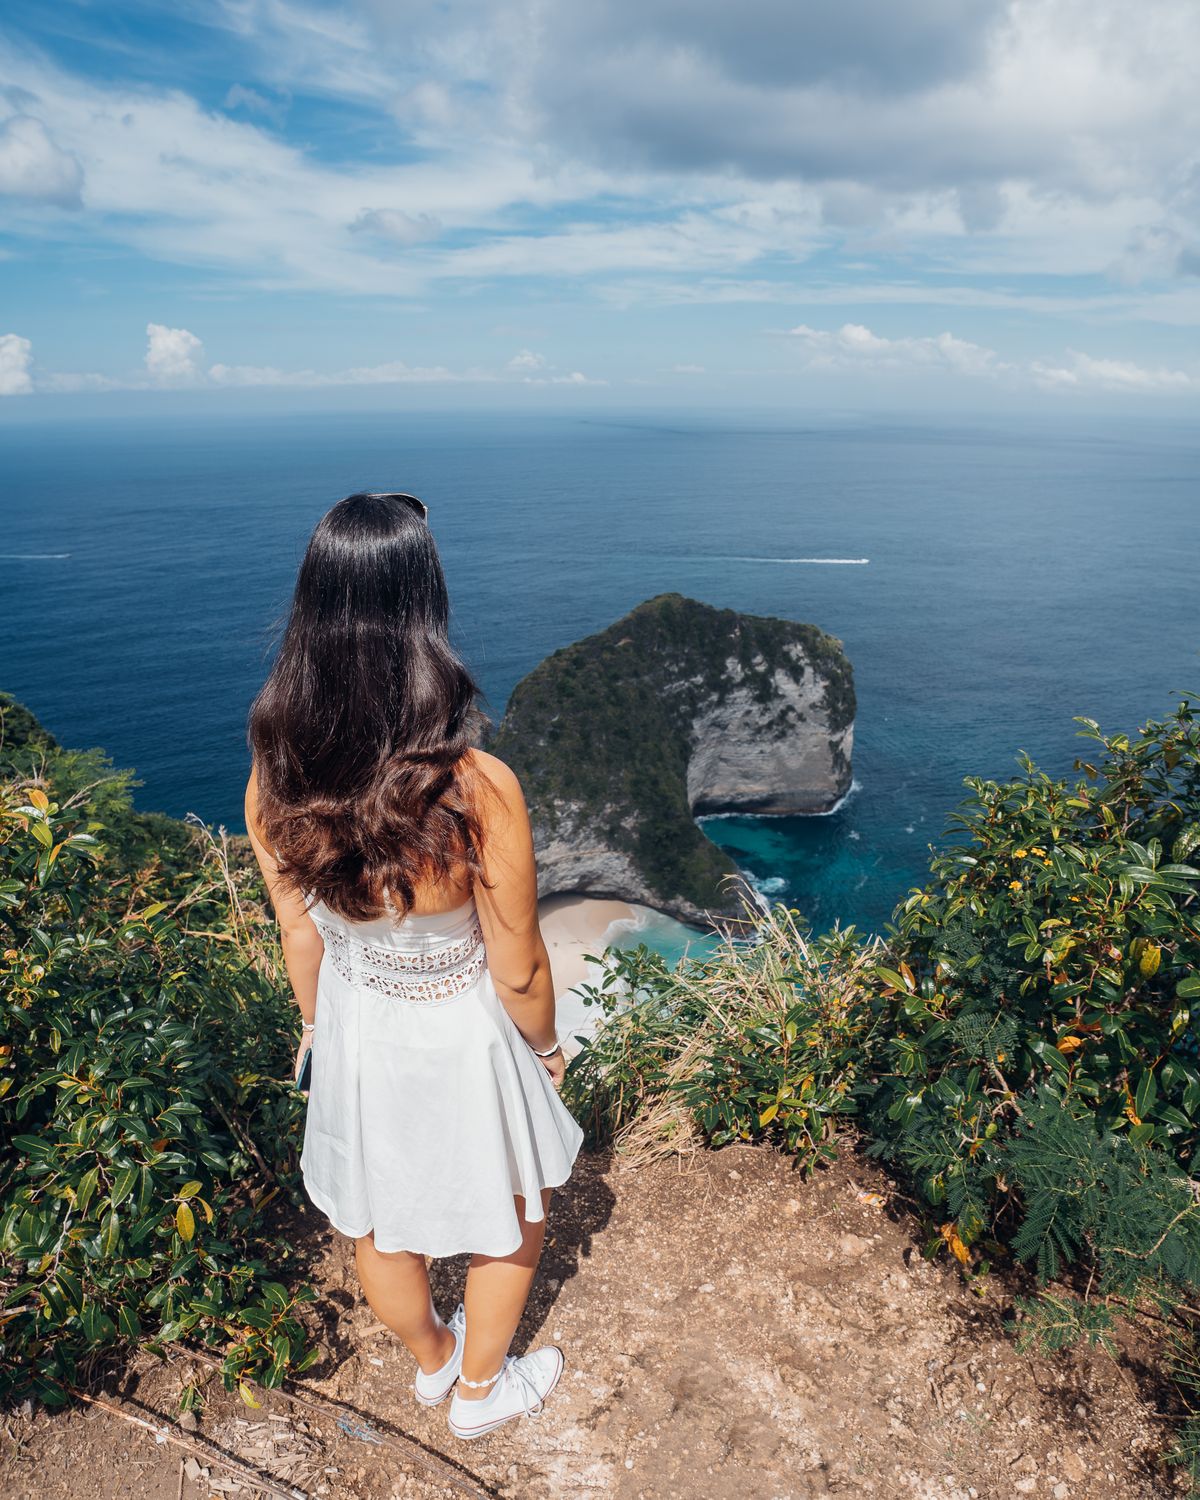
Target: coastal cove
(1002, 593)
(575, 927)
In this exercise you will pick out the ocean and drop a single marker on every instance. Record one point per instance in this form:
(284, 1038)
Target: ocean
(1017, 572)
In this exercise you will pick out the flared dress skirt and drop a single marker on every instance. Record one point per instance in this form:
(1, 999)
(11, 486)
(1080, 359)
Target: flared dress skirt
(426, 1116)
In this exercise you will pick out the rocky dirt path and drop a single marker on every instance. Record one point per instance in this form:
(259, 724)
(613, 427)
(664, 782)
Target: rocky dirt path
(730, 1331)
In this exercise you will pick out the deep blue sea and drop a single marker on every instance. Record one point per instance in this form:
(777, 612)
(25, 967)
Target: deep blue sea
(1020, 572)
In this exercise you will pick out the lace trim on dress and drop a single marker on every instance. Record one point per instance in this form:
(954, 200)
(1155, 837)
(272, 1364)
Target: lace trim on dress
(424, 978)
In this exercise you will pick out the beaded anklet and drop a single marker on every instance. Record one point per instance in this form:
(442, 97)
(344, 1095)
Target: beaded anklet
(477, 1383)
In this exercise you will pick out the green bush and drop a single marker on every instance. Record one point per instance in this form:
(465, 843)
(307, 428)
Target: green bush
(1051, 957)
(1037, 1073)
(763, 1040)
(1052, 954)
(1021, 1046)
(144, 1131)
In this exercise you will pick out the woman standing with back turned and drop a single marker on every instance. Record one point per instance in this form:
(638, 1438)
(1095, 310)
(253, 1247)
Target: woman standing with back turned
(400, 864)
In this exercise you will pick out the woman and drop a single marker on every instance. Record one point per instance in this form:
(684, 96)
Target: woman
(400, 864)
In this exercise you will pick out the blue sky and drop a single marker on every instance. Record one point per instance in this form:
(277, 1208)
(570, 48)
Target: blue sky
(559, 203)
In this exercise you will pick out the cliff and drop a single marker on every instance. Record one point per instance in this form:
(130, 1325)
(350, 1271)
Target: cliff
(676, 709)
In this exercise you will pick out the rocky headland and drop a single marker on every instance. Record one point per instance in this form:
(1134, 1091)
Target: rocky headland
(677, 709)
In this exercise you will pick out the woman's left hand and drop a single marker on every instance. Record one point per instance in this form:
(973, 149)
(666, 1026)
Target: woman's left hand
(556, 1066)
(301, 1052)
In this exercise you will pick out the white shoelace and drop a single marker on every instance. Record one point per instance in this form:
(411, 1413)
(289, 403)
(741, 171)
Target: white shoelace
(526, 1387)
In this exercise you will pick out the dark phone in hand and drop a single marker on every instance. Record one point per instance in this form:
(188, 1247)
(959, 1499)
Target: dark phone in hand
(304, 1078)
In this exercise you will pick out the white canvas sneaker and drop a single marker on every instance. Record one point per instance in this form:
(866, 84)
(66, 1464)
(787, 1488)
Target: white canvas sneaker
(521, 1390)
(433, 1389)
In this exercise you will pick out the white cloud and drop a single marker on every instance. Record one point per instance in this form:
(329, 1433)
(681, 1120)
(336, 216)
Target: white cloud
(394, 372)
(172, 354)
(1109, 375)
(535, 369)
(650, 152)
(576, 377)
(16, 358)
(238, 96)
(854, 345)
(175, 356)
(71, 382)
(1001, 137)
(32, 166)
(394, 224)
(180, 183)
(689, 240)
(1010, 123)
(1084, 99)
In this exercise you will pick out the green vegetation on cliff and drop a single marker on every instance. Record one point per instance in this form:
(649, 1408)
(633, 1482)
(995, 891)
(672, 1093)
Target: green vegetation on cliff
(146, 1114)
(1021, 1046)
(599, 732)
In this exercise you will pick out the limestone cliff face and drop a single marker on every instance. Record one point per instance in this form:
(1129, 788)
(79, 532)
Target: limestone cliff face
(783, 756)
(676, 709)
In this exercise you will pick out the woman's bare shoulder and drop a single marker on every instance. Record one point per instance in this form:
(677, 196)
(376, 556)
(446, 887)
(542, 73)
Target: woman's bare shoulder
(498, 777)
(251, 798)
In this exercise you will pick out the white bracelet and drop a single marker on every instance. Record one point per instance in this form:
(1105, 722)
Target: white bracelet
(551, 1052)
(308, 1026)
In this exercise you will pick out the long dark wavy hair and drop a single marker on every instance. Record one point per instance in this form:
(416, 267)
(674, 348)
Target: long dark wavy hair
(360, 730)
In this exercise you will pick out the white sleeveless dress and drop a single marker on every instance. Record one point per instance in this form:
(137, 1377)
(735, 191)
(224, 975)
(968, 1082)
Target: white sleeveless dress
(427, 1109)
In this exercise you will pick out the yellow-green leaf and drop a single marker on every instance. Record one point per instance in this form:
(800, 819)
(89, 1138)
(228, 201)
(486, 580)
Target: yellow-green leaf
(768, 1114)
(891, 978)
(247, 1395)
(185, 1222)
(957, 1248)
(86, 1189)
(189, 1189)
(39, 799)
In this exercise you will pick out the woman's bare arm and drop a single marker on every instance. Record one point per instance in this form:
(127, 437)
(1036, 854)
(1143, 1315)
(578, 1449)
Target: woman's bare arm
(302, 943)
(516, 953)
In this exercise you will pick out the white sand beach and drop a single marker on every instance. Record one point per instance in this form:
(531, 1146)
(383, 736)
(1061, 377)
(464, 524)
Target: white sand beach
(572, 927)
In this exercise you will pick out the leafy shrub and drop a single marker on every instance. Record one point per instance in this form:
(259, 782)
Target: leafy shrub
(761, 1040)
(1022, 1045)
(143, 1132)
(1037, 1070)
(1053, 954)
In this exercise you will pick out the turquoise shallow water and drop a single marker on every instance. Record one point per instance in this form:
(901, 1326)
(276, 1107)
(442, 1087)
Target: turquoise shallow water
(1018, 573)
(672, 939)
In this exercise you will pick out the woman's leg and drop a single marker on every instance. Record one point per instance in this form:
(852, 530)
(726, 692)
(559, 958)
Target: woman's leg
(497, 1290)
(396, 1284)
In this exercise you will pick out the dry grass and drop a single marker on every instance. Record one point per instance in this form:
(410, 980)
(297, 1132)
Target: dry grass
(251, 924)
(753, 978)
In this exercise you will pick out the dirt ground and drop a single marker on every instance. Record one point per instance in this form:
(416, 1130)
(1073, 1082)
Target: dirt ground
(730, 1331)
